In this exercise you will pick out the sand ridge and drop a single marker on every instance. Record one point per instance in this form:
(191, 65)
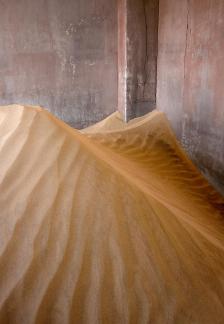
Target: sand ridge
(113, 224)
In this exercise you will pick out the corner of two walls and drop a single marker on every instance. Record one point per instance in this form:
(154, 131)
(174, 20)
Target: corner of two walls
(64, 57)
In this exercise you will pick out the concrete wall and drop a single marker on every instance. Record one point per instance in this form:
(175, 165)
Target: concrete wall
(138, 37)
(191, 79)
(61, 55)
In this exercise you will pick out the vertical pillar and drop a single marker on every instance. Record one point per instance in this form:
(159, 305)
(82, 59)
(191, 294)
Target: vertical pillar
(122, 58)
(137, 56)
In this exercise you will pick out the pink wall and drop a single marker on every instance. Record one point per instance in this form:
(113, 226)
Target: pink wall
(61, 55)
(191, 79)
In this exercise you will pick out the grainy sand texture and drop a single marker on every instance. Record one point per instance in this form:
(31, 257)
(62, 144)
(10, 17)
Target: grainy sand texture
(109, 225)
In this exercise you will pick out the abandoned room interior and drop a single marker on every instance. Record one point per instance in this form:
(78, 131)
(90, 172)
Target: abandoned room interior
(111, 161)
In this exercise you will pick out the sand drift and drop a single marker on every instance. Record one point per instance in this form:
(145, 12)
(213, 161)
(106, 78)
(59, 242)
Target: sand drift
(112, 224)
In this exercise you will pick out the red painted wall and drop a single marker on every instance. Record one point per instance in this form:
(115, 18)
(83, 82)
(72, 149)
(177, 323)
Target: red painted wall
(190, 86)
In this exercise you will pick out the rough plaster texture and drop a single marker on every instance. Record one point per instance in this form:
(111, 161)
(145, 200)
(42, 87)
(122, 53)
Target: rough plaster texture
(138, 30)
(191, 79)
(61, 55)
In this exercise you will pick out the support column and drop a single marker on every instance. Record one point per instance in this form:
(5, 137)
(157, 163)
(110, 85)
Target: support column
(137, 56)
(122, 58)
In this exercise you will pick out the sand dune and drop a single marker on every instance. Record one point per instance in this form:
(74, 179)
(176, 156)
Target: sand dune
(109, 225)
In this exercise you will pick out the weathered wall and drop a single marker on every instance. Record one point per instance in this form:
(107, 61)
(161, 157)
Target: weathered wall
(191, 79)
(137, 56)
(61, 55)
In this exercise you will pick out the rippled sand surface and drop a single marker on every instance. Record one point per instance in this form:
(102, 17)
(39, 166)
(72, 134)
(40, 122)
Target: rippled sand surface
(109, 225)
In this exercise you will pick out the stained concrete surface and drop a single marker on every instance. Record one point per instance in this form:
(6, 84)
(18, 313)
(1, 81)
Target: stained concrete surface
(61, 55)
(137, 56)
(191, 78)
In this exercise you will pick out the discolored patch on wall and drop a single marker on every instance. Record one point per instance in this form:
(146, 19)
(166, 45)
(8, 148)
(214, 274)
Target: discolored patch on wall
(59, 55)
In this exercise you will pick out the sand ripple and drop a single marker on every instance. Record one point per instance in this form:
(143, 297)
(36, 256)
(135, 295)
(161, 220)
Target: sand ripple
(109, 225)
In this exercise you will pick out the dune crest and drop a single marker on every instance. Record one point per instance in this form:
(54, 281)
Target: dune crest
(112, 224)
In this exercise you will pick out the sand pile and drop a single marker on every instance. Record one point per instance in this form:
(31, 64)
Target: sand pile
(111, 225)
